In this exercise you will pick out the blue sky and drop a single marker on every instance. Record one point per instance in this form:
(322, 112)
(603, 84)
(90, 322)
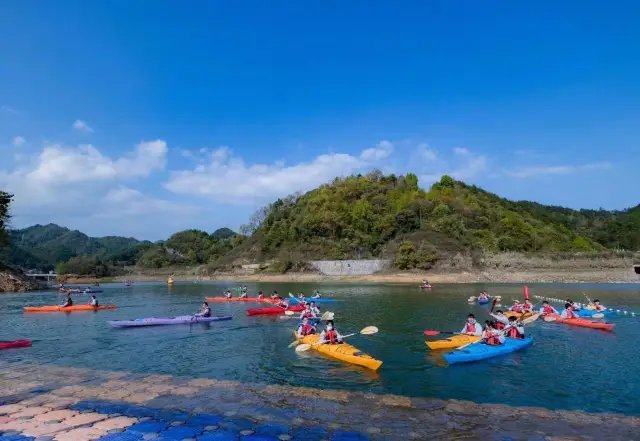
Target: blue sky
(143, 118)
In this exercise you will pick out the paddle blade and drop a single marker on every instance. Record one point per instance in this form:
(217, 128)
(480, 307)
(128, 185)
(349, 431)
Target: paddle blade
(303, 348)
(598, 315)
(431, 332)
(291, 295)
(295, 343)
(549, 319)
(369, 330)
(289, 313)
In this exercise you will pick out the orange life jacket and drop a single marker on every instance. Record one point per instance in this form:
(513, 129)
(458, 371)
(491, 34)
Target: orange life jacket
(514, 333)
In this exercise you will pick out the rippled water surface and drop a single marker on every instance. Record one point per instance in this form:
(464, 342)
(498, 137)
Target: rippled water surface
(567, 368)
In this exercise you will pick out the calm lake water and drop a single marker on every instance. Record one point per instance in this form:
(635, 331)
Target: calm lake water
(566, 368)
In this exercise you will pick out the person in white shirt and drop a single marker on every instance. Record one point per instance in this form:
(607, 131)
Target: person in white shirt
(472, 327)
(491, 336)
(568, 312)
(514, 329)
(501, 319)
(547, 309)
(94, 302)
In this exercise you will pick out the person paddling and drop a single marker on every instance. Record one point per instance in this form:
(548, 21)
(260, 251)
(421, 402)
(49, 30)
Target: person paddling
(307, 313)
(275, 296)
(517, 306)
(330, 335)
(305, 329)
(283, 303)
(67, 302)
(314, 308)
(568, 312)
(260, 295)
(573, 305)
(483, 296)
(528, 306)
(227, 294)
(244, 295)
(491, 336)
(514, 329)
(501, 320)
(472, 327)
(205, 311)
(597, 306)
(547, 309)
(317, 295)
(94, 302)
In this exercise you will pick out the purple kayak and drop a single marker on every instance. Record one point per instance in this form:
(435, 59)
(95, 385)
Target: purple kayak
(159, 321)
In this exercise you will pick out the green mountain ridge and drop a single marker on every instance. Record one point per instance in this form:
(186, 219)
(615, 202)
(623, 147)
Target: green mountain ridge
(362, 216)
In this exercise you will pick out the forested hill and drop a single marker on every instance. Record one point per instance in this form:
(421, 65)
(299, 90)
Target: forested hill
(391, 216)
(364, 216)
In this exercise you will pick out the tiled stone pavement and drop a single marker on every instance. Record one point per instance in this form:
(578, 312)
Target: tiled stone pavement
(52, 403)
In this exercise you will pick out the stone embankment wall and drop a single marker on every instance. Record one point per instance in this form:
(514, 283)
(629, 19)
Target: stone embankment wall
(350, 267)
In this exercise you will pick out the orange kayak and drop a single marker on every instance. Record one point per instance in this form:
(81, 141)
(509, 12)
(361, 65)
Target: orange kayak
(584, 323)
(55, 308)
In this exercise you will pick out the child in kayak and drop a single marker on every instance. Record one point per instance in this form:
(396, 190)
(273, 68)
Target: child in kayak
(491, 336)
(547, 309)
(244, 295)
(227, 294)
(67, 302)
(597, 306)
(330, 335)
(94, 302)
(307, 313)
(517, 307)
(514, 329)
(501, 320)
(260, 295)
(316, 295)
(568, 312)
(283, 303)
(573, 305)
(300, 296)
(305, 328)
(472, 327)
(314, 308)
(205, 311)
(528, 306)
(483, 296)
(275, 296)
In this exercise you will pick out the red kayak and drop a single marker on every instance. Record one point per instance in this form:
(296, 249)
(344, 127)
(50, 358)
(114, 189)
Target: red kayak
(584, 323)
(276, 310)
(15, 344)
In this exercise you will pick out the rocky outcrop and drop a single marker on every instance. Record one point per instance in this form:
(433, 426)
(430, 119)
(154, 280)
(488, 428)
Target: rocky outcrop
(14, 281)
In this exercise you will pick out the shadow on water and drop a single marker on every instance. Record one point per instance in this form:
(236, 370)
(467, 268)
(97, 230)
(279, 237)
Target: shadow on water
(254, 349)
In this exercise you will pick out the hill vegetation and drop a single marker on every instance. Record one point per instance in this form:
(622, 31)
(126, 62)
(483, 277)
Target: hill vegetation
(363, 216)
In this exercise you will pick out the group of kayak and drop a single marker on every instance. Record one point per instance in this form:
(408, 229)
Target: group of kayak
(505, 333)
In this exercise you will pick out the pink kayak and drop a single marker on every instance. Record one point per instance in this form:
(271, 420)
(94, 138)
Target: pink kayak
(15, 344)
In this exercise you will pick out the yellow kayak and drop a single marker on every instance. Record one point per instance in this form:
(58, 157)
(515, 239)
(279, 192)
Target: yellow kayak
(452, 342)
(529, 317)
(342, 352)
(170, 281)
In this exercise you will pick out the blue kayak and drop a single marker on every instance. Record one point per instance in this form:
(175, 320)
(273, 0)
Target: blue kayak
(483, 302)
(481, 351)
(313, 321)
(590, 312)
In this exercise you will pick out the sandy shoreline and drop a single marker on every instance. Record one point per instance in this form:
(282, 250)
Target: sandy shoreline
(489, 276)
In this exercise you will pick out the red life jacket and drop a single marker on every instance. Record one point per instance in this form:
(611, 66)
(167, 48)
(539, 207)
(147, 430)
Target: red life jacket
(571, 314)
(548, 310)
(471, 328)
(514, 333)
(529, 306)
(517, 308)
(307, 329)
(307, 314)
(493, 340)
(332, 336)
(499, 325)
(261, 297)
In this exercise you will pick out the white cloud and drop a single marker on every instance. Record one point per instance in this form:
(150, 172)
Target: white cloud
(82, 126)
(17, 141)
(58, 164)
(527, 172)
(228, 178)
(125, 201)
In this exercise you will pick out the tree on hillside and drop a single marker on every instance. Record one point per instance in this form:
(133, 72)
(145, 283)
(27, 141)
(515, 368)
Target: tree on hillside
(5, 202)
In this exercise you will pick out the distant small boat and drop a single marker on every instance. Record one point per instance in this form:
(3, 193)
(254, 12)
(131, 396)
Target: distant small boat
(170, 281)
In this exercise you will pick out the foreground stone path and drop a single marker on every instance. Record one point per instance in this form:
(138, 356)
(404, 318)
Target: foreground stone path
(53, 403)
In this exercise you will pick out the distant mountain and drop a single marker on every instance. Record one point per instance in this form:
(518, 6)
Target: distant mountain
(43, 246)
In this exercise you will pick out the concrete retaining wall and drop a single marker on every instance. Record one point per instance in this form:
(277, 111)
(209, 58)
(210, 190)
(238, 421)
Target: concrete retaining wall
(350, 267)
